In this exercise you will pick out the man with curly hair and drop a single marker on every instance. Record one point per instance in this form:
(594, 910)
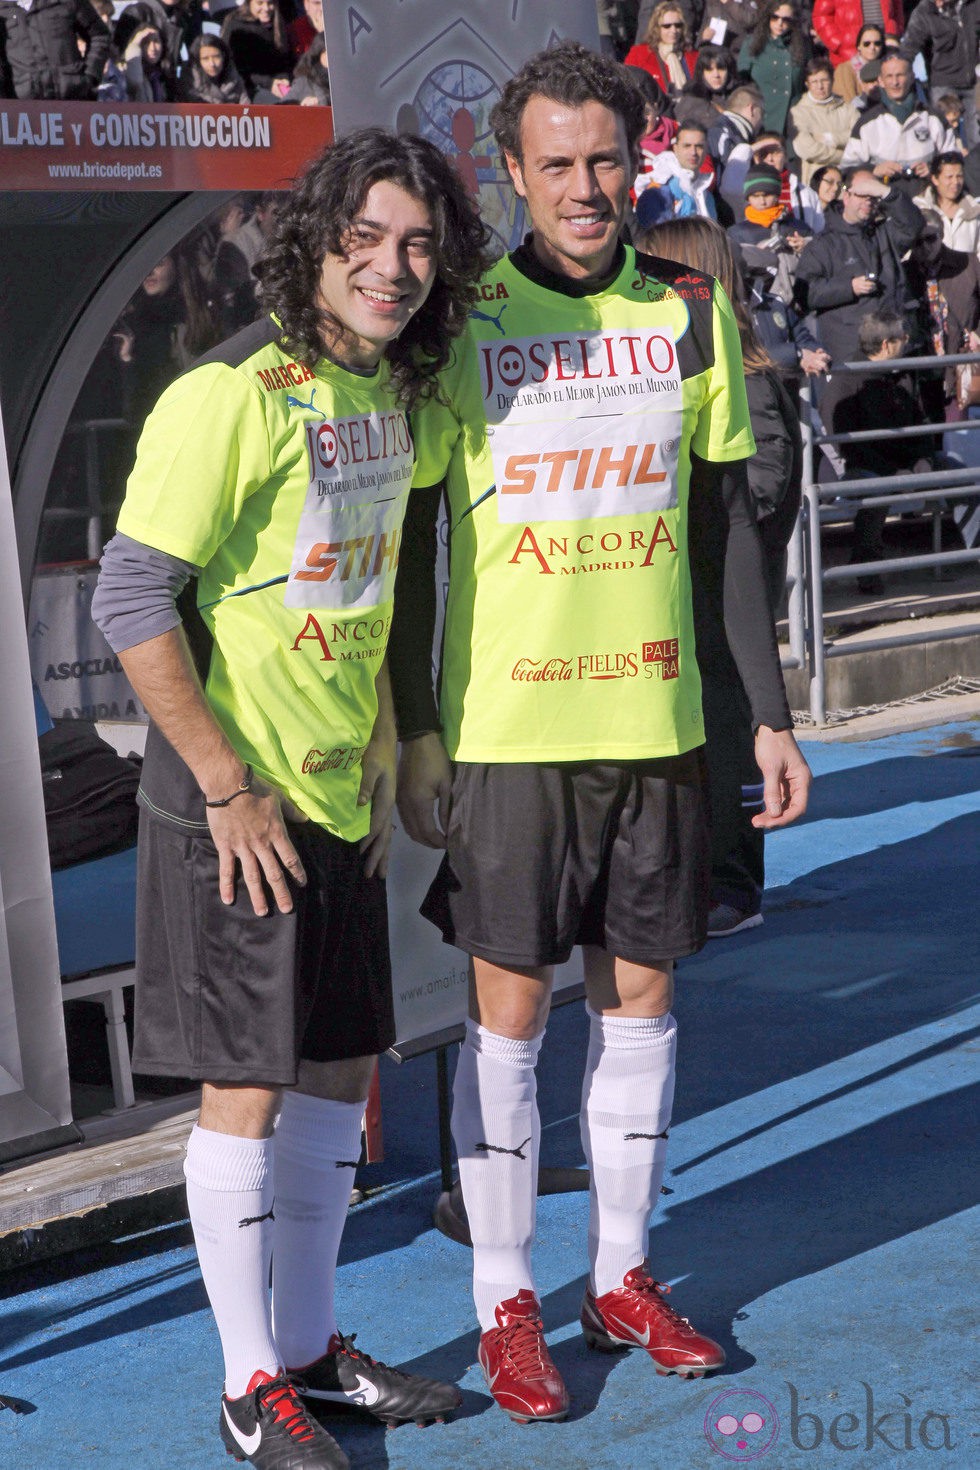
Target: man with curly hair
(592, 435)
(268, 496)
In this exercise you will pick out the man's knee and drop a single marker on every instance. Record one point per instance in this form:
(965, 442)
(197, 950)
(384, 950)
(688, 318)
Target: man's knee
(620, 987)
(510, 1002)
(240, 1110)
(347, 1081)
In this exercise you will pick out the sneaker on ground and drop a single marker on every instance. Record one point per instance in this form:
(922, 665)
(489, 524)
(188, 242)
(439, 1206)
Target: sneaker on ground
(725, 919)
(636, 1315)
(347, 1378)
(269, 1427)
(517, 1365)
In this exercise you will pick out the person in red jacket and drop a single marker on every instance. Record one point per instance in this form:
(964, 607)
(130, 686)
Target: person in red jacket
(837, 23)
(665, 50)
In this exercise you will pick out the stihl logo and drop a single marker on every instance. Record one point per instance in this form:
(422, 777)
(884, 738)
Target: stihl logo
(362, 556)
(583, 469)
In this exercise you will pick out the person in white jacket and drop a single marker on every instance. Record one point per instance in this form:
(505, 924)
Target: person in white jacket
(897, 137)
(821, 122)
(947, 201)
(678, 171)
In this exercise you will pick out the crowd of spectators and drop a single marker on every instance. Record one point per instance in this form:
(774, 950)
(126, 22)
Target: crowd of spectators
(200, 51)
(837, 142)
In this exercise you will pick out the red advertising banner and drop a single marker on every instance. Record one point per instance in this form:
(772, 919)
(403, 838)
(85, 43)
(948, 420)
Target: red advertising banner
(84, 145)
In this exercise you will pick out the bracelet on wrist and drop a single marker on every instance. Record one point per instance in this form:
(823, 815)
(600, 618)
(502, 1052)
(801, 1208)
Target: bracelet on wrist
(244, 785)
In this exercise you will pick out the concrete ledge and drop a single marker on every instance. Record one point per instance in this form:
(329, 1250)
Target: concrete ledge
(878, 676)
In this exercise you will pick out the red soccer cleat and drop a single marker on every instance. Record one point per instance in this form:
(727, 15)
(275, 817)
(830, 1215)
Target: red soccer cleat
(636, 1315)
(518, 1366)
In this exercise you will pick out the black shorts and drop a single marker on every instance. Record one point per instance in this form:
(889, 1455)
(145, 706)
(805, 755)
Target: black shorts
(543, 857)
(225, 996)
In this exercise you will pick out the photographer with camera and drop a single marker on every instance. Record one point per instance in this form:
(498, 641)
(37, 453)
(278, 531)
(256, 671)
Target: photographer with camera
(897, 137)
(855, 266)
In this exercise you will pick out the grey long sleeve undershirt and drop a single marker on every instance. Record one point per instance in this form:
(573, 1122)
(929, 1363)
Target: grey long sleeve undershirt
(136, 596)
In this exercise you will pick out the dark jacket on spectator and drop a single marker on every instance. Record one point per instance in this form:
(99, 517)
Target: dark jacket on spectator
(39, 55)
(740, 17)
(255, 51)
(775, 471)
(948, 42)
(178, 25)
(727, 133)
(850, 405)
(832, 260)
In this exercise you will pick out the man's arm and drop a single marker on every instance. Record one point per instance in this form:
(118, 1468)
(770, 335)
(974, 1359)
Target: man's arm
(90, 25)
(135, 608)
(249, 830)
(905, 220)
(728, 570)
(424, 771)
(378, 779)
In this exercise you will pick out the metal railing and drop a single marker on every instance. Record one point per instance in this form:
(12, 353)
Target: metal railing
(809, 647)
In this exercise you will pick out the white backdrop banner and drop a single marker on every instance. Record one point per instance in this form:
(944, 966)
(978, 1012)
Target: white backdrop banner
(79, 676)
(436, 67)
(34, 1096)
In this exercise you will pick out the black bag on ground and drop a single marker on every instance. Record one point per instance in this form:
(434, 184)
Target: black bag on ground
(89, 794)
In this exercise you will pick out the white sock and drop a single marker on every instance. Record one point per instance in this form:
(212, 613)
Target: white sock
(627, 1097)
(498, 1134)
(230, 1193)
(318, 1144)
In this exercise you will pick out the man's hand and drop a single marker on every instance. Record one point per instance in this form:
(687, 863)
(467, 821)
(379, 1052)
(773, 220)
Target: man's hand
(921, 169)
(425, 777)
(863, 285)
(378, 791)
(251, 831)
(786, 775)
(814, 360)
(887, 169)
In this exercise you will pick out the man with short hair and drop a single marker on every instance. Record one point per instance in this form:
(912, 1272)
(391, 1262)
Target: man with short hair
(897, 137)
(275, 474)
(855, 266)
(679, 171)
(739, 123)
(591, 435)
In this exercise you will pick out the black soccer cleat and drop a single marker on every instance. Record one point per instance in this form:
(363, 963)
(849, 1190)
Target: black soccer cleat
(346, 1378)
(271, 1429)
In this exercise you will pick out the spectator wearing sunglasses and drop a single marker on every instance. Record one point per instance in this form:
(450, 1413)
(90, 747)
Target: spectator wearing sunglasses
(665, 51)
(774, 57)
(840, 24)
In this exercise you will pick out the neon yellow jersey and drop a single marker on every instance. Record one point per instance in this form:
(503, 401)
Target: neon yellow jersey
(287, 488)
(565, 440)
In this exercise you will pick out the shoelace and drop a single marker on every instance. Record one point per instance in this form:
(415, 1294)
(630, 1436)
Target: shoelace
(655, 1291)
(279, 1397)
(522, 1342)
(350, 1351)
